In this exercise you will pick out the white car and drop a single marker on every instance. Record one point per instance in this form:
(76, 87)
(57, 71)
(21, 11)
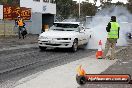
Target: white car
(64, 35)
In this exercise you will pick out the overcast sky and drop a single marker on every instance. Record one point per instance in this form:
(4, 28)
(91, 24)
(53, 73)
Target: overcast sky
(99, 0)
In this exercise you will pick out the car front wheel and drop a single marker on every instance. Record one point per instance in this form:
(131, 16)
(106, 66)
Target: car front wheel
(75, 45)
(85, 46)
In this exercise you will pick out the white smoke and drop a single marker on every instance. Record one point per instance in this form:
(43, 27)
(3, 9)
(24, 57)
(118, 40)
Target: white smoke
(100, 21)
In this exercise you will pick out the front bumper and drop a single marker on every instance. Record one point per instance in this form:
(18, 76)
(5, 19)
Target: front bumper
(55, 43)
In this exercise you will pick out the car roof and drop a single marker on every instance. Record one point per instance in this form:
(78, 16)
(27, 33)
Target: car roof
(68, 22)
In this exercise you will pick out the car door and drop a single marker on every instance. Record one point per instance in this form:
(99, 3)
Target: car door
(82, 36)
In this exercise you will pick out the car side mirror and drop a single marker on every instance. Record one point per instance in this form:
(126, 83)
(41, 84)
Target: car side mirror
(82, 30)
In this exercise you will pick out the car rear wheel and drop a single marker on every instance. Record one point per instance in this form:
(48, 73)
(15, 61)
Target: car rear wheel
(42, 48)
(75, 45)
(84, 46)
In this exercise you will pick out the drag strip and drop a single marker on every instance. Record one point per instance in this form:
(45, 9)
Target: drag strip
(32, 60)
(58, 76)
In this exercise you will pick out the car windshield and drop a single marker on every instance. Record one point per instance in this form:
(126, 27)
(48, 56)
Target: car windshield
(64, 27)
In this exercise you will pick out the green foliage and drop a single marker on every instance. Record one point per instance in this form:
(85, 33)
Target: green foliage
(129, 5)
(69, 8)
(109, 4)
(10, 2)
(88, 9)
(64, 7)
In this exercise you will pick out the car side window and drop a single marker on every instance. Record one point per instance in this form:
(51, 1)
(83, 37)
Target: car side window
(79, 28)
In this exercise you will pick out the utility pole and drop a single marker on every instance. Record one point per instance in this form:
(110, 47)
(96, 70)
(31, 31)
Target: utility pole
(79, 9)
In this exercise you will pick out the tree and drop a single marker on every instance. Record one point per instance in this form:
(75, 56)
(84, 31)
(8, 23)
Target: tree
(109, 1)
(103, 1)
(129, 5)
(95, 1)
(10, 2)
(88, 9)
(87, 1)
(69, 8)
(64, 7)
(120, 3)
(3, 1)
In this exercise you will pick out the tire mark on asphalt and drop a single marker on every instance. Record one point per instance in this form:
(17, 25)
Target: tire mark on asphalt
(27, 59)
(51, 59)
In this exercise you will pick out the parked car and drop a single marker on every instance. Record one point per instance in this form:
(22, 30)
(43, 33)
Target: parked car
(65, 35)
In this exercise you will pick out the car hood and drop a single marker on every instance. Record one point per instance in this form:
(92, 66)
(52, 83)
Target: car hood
(59, 34)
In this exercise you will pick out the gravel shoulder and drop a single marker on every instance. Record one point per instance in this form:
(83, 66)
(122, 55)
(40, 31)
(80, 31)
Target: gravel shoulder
(122, 66)
(13, 41)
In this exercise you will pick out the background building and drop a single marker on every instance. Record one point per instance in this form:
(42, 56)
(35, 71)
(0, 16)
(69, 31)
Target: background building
(43, 12)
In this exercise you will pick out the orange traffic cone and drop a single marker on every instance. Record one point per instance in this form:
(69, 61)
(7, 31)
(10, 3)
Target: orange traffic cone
(99, 53)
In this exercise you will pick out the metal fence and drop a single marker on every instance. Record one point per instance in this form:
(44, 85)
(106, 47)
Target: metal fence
(8, 28)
